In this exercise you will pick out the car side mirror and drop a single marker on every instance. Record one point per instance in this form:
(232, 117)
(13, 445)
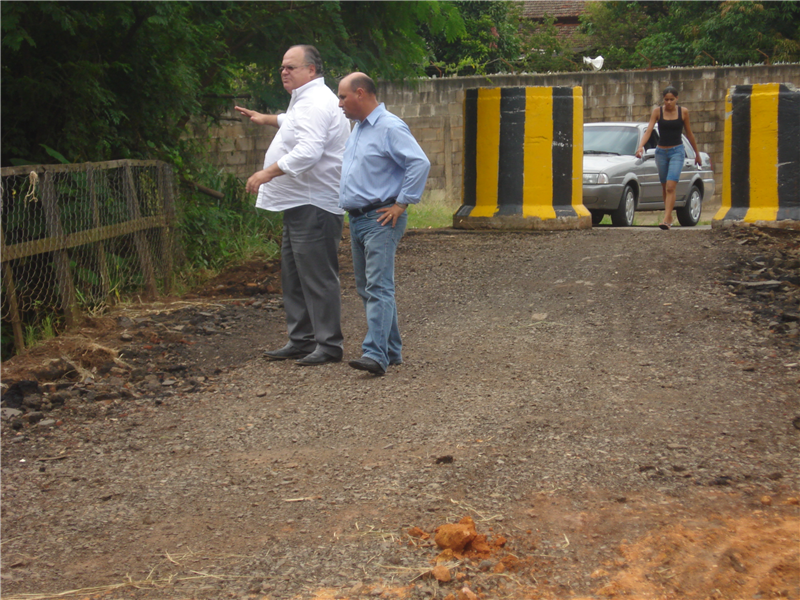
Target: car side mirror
(649, 153)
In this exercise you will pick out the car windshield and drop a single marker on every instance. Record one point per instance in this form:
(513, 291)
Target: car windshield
(610, 139)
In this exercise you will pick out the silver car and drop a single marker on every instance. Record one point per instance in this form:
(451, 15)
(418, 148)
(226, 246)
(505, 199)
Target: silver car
(617, 183)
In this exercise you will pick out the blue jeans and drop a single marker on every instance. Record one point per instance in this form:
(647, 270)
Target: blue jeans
(374, 247)
(669, 162)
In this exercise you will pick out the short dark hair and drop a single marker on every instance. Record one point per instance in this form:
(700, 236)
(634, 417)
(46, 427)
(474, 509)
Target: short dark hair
(365, 83)
(311, 56)
(670, 90)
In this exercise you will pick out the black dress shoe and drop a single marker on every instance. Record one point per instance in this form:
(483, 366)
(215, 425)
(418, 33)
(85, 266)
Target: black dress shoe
(288, 351)
(367, 364)
(317, 357)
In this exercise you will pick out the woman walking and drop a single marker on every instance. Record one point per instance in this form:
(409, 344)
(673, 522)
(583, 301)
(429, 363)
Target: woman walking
(672, 121)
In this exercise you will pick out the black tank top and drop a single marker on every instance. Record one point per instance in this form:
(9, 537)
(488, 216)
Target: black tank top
(669, 131)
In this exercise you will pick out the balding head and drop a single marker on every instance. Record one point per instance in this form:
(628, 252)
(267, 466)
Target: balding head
(361, 80)
(357, 96)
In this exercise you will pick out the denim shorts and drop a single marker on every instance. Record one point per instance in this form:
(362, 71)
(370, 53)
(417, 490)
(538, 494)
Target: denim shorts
(670, 163)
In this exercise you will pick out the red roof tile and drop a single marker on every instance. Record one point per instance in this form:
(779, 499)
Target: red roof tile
(537, 9)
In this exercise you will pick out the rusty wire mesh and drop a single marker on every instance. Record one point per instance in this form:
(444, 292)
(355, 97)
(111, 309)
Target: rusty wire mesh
(77, 238)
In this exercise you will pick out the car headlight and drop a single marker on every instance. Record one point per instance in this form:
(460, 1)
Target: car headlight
(595, 178)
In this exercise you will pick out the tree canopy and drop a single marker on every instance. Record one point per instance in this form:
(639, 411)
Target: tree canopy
(94, 81)
(499, 39)
(489, 43)
(673, 33)
(90, 81)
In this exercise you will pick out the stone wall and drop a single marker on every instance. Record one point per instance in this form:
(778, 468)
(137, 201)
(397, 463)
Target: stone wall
(433, 110)
(237, 146)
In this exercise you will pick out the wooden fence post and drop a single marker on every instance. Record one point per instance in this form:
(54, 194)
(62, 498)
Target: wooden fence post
(139, 237)
(66, 286)
(166, 187)
(11, 295)
(100, 247)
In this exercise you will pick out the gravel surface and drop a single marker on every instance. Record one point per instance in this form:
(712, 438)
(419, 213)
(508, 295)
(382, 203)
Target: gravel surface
(615, 409)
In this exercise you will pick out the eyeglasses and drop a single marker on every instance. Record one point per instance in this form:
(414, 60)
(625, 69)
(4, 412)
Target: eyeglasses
(289, 68)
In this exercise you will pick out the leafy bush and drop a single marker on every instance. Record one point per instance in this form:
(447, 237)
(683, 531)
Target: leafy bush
(217, 233)
(633, 35)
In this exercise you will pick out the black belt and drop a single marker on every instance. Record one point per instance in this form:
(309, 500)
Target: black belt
(357, 212)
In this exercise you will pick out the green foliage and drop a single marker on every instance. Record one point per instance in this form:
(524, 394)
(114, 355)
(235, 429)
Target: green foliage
(388, 40)
(55, 154)
(432, 213)
(739, 32)
(545, 51)
(45, 329)
(94, 80)
(109, 80)
(614, 29)
(218, 233)
(671, 33)
(498, 39)
(661, 49)
(488, 43)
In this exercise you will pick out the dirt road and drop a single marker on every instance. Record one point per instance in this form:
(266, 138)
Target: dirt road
(610, 407)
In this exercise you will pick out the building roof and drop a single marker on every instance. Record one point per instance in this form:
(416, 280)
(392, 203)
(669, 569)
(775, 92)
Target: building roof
(537, 9)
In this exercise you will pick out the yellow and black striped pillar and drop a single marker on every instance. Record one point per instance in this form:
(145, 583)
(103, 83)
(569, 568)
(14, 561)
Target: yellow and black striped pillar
(761, 156)
(523, 159)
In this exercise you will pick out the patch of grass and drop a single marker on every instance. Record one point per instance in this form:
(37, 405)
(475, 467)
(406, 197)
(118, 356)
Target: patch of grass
(432, 213)
(40, 332)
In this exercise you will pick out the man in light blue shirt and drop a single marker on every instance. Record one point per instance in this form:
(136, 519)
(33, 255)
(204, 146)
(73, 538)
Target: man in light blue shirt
(383, 171)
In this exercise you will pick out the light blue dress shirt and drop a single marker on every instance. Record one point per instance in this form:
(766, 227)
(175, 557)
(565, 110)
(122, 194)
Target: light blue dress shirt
(382, 160)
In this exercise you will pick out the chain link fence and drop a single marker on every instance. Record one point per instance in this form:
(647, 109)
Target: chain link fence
(76, 238)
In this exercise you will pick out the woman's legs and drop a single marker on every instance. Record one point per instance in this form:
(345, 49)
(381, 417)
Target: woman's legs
(668, 194)
(669, 162)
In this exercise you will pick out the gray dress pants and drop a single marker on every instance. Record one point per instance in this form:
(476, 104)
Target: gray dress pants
(310, 279)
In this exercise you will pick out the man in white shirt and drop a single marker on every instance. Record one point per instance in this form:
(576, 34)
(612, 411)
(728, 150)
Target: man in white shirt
(300, 177)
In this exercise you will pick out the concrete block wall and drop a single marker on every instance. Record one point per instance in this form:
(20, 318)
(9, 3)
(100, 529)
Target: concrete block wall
(235, 145)
(608, 96)
(433, 110)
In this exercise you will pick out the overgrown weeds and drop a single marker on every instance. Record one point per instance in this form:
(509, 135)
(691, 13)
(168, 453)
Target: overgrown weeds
(217, 233)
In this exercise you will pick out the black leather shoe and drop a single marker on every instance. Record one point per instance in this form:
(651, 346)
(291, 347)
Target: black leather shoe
(367, 364)
(288, 351)
(317, 357)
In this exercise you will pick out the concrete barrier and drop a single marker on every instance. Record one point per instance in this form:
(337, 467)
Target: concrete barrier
(523, 159)
(761, 155)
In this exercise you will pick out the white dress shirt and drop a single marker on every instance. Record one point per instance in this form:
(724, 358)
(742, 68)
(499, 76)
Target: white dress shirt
(308, 148)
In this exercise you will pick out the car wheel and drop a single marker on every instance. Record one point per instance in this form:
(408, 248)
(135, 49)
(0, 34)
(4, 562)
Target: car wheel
(689, 215)
(597, 216)
(623, 216)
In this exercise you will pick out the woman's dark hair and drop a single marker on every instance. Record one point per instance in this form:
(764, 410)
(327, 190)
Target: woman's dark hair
(670, 90)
